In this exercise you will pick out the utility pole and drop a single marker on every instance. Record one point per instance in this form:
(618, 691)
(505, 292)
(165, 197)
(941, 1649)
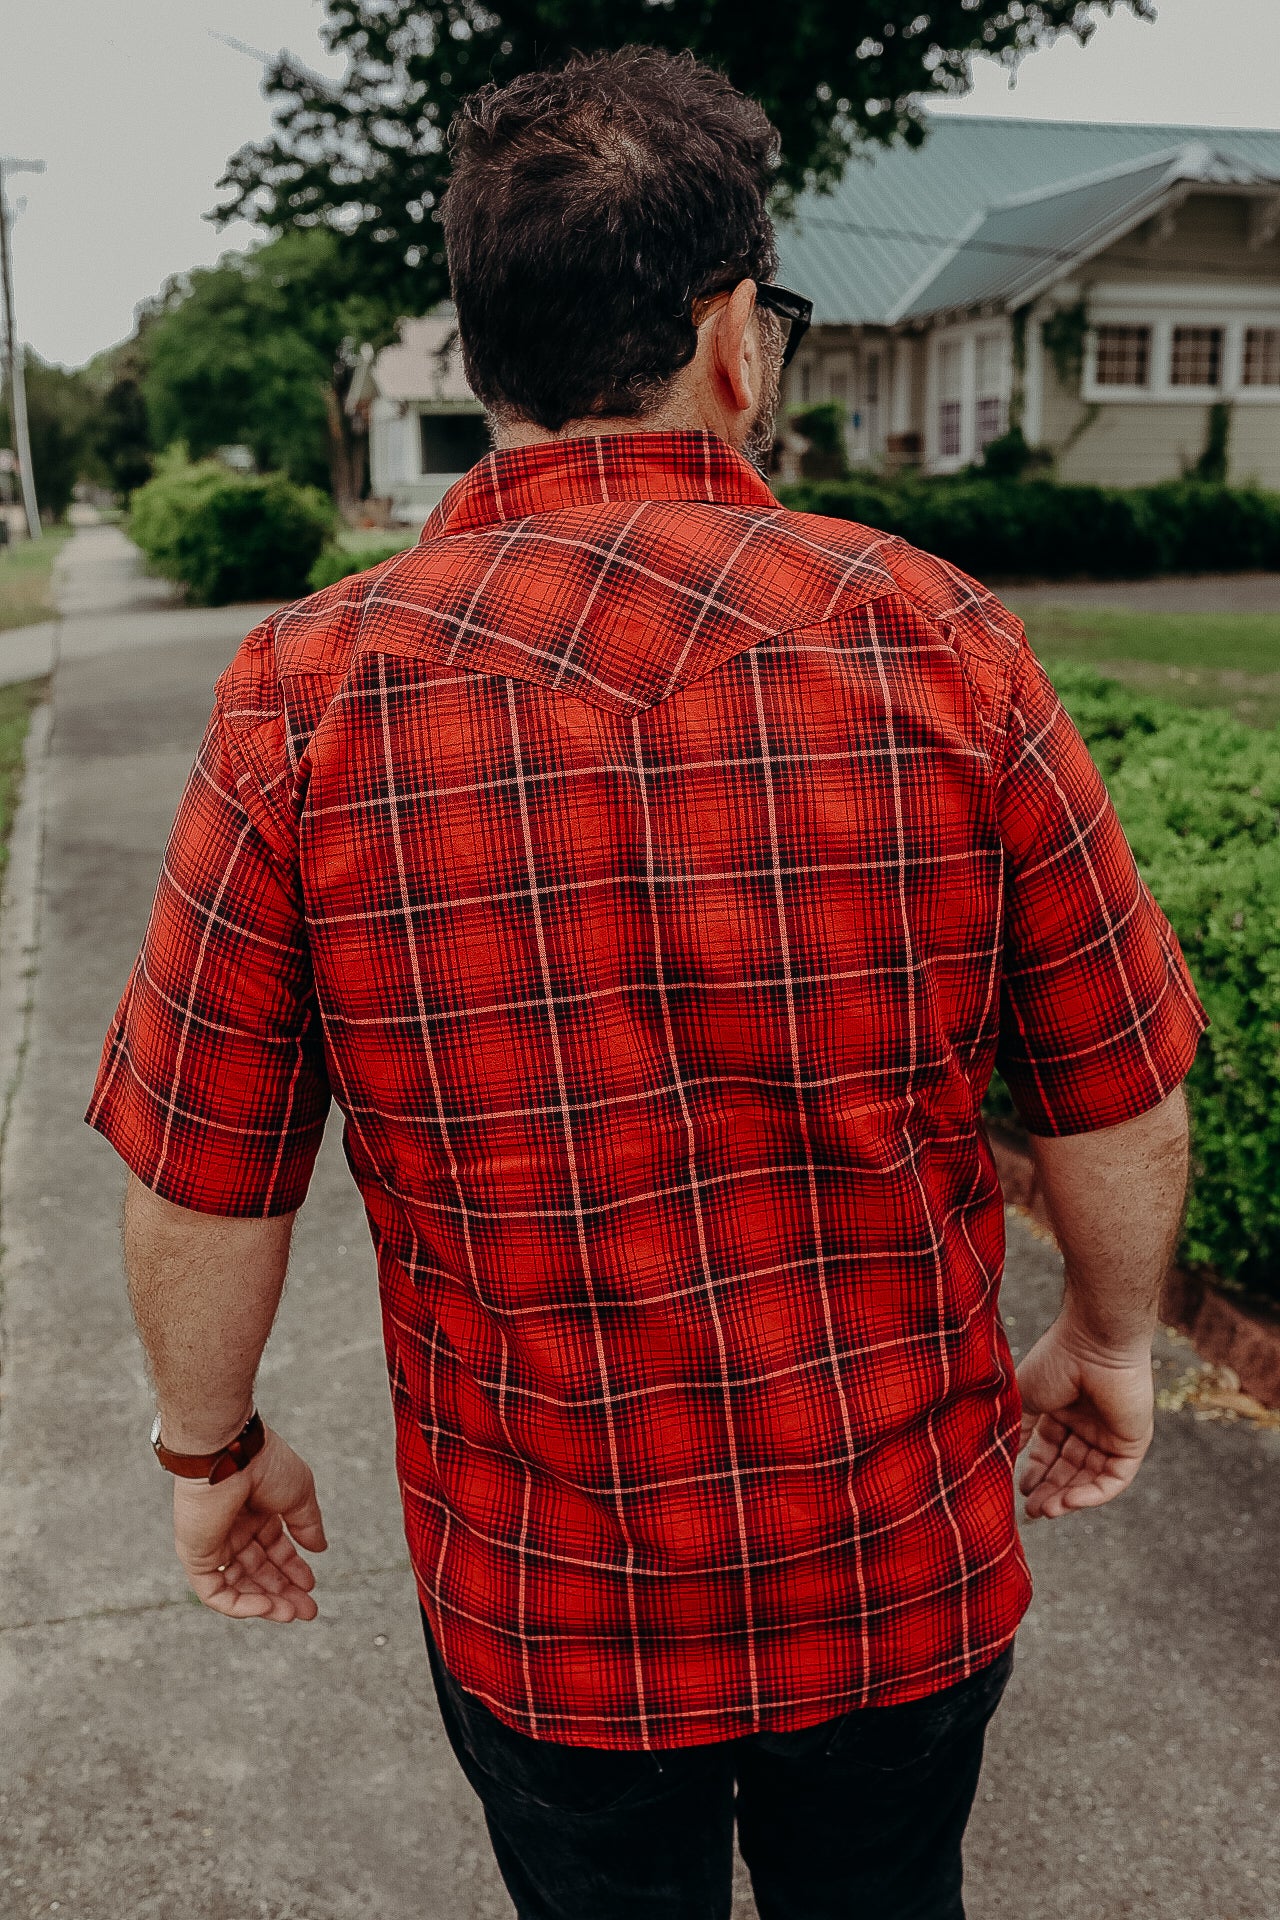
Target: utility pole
(13, 353)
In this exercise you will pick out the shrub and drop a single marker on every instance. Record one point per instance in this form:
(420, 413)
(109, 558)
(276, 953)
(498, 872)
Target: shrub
(335, 563)
(228, 536)
(1038, 529)
(822, 426)
(1199, 797)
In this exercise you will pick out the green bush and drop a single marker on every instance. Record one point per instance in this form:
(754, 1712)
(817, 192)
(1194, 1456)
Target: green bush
(822, 425)
(228, 536)
(1037, 529)
(335, 563)
(1199, 797)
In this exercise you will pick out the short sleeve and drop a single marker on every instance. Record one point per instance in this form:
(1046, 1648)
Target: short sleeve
(212, 1085)
(1099, 1018)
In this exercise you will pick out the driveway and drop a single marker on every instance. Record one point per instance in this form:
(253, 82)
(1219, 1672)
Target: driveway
(160, 1761)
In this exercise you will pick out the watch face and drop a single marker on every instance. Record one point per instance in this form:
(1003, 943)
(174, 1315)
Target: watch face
(155, 1431)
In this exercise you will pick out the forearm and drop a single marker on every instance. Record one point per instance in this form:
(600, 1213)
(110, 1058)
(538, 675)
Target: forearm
(204, 1292)
(1116, 1198)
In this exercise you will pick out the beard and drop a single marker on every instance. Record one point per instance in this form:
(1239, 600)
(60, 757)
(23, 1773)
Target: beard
(763, 430)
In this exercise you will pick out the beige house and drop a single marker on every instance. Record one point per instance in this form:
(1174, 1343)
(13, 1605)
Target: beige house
(1104, 287)
(1128, 286)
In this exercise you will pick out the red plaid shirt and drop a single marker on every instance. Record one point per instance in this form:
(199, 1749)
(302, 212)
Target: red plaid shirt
(654, 876)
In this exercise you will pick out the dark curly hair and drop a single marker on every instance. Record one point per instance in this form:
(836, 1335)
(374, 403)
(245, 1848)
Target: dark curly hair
(588, 205)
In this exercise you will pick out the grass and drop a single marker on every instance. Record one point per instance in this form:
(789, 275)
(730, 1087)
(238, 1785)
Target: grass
(1227, 660)
(25, 569)
(17, 704)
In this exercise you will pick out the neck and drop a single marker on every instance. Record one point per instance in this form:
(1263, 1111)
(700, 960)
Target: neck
(674, 416)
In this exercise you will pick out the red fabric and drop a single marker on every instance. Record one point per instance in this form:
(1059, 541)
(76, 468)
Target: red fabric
(654, 877)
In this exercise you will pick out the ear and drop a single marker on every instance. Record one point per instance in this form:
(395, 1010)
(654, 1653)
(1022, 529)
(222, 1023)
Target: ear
(735, 349)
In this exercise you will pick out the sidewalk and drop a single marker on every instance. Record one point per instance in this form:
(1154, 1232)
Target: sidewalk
(1173, 593)
(158, 1761)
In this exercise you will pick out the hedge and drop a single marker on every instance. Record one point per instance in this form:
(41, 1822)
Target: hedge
(229, 536)
(335, 563)
(1037, 529)
(1199, 797)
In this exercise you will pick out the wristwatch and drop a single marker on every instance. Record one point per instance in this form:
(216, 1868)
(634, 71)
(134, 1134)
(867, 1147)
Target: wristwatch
(213, 1467)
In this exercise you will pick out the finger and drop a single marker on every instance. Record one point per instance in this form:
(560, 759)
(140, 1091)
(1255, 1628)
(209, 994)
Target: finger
(215, 1592)
(291, 1563)
(305, 1523)
(245, 1600)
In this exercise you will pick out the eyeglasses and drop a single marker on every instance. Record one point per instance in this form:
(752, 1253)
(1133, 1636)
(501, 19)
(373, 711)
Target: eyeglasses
(794, 311)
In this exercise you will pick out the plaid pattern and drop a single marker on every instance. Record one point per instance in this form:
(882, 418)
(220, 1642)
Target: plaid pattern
(654, 877)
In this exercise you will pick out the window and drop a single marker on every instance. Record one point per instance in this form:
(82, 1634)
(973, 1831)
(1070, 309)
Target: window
(452, 442)
(1197, 357)
(1262, 356)
(988, 422)
(950, 400)
(989, 408)
(1123, 357)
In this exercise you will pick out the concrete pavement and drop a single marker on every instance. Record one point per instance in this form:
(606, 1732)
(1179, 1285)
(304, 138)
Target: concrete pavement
(158, 1761)
(1172, 593)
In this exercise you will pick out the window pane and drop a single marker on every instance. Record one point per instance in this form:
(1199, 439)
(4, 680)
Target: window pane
(949, 429)
(1124, 356)
(950, 369)
(1262, 356)
(452, 442)
(990, 366)
(988, 422)
(1197, 357)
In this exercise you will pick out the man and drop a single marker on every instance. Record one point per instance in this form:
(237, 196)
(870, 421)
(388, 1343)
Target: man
(653, 877)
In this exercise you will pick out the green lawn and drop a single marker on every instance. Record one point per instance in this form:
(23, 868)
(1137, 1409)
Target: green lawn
(1227, 660)
(25, 567)
(17, 704)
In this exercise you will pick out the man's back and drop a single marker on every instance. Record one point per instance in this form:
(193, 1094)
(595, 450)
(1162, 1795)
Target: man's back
(658, 853)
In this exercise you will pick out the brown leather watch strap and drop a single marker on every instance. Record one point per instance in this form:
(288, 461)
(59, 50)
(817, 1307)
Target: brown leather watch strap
(218, 1466)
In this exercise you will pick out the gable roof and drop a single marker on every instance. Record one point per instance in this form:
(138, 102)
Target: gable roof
(423, 365)
(863, 251)
(1012, 252)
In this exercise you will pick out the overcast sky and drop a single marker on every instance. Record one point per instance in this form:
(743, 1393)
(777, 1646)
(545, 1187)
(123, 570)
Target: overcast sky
(135, 108)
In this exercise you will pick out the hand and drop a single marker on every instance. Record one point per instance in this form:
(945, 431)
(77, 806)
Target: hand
(234, 1539)
(1088, 1415)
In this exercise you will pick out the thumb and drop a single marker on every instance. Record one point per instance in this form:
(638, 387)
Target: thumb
(305, 1522)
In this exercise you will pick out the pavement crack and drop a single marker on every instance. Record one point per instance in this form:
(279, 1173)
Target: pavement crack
(334, 1583)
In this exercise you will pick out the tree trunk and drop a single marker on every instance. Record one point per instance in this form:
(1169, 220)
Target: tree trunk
(346, 453)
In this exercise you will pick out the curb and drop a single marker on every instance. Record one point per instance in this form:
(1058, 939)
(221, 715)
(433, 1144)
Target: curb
(1222, 1332)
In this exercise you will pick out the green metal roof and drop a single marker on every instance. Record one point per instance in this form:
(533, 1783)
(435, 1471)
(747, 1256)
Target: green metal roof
(867, 250)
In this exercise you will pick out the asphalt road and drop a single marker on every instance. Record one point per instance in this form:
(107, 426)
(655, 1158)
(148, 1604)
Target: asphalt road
(157, 1760)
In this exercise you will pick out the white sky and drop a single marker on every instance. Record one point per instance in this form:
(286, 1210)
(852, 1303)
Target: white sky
(135, 109)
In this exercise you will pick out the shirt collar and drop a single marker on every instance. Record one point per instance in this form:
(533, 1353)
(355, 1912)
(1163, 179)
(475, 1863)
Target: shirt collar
(518, 481)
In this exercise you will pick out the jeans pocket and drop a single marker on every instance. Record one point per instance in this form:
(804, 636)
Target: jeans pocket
(894, 1740)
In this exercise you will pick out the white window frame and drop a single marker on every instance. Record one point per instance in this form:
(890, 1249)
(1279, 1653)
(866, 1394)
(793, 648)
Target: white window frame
(966, 335)
(1162, 309)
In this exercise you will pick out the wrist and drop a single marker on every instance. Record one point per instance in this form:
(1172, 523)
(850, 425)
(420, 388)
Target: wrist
(1107, 1345)
(188, 1432)
(220, 1463)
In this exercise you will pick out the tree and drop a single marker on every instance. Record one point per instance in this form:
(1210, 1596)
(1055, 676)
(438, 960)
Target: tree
(260, 351)
(365, 155)
(120, 433)
(60, 409)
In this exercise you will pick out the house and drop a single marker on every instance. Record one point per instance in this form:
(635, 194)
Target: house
(1104, 287)
(425, 425)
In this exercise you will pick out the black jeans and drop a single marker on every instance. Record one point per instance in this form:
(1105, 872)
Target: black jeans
(858, 1818)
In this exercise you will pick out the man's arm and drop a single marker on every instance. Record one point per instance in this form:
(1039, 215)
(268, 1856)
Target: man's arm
(1116, 1198)
(204, 1291)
